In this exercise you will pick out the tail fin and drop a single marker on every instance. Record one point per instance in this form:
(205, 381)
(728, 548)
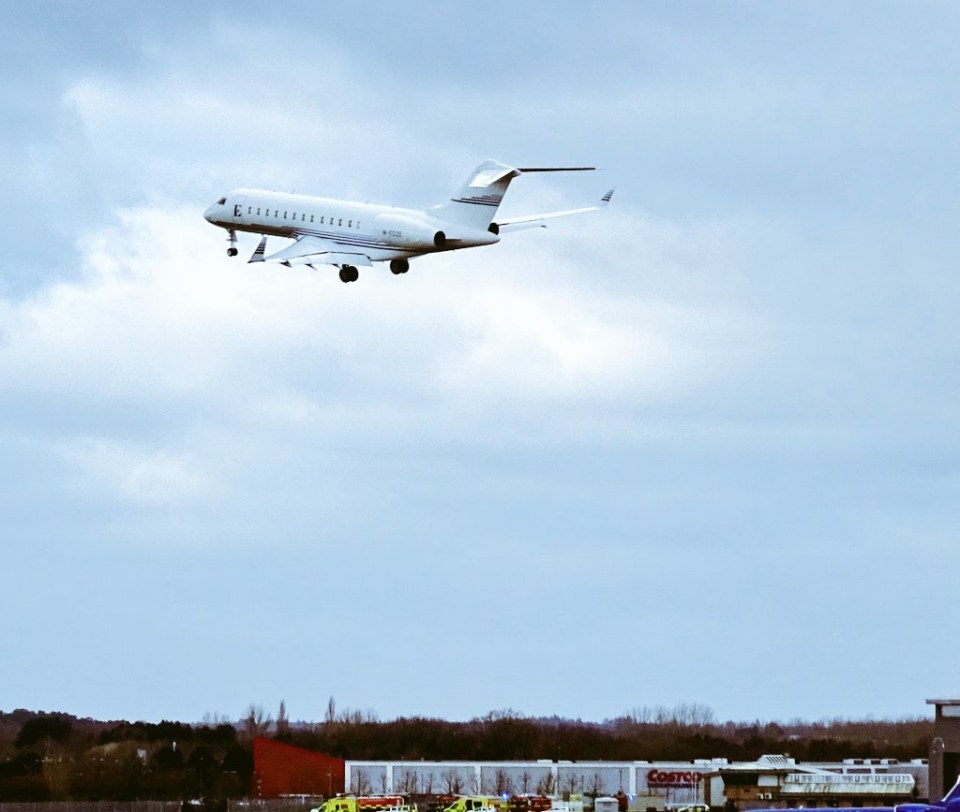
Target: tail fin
(952, 797)
(476, 202)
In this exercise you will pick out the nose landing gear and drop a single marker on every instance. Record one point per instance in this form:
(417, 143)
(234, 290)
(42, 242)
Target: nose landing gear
(232, 240)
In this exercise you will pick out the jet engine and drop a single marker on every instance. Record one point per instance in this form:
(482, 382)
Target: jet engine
(408, 232)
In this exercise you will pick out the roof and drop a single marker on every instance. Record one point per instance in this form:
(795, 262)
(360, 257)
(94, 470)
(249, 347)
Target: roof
(954, 700)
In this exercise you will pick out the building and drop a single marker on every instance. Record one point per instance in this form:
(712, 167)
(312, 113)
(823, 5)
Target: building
(658, 785)
(653, 786)
(945, 747)
(779, 781)
(280, 769)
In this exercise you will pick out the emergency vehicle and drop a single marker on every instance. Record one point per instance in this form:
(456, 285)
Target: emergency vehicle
(366, 803)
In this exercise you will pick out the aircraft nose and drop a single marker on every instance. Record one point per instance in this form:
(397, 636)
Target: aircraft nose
(210, 213)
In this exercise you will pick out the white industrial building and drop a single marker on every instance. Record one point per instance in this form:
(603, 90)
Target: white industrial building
(772, 781)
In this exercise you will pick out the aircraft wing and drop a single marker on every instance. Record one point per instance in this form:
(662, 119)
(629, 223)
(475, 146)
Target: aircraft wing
(506, 224)
(312, 251)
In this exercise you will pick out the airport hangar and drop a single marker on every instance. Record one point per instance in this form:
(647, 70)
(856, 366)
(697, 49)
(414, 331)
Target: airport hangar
(771, 781)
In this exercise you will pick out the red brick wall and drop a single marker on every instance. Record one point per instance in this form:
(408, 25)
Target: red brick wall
(281, 769)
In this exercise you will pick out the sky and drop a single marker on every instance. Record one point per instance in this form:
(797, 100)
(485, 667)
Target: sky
(698, 447)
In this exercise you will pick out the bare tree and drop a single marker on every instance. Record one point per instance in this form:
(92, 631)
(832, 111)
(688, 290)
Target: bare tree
(283, 723)
(360, 785)
(256, 723)
(409, 782)
(453, 781)
(596, 785)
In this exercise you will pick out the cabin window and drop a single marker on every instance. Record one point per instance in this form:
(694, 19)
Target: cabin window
(249, 209)
(311, 218)
(258, 210)
(284, 215)
(321, 221)
(303, 217)
(340, 222)
(294, 216)
(349, 223)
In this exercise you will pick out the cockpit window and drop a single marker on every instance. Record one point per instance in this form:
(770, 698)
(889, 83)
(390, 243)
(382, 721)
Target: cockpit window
(221, 201)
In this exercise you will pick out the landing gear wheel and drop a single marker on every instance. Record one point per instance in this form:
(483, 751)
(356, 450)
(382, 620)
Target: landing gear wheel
(399, 266)
(349, 274)
(231, 252)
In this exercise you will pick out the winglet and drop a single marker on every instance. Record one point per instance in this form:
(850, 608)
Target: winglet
(257, 255)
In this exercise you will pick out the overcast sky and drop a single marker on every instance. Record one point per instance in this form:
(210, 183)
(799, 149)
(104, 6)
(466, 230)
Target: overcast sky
(700, 447)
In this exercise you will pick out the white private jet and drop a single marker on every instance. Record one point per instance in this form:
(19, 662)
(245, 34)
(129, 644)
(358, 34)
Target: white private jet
(345, 233)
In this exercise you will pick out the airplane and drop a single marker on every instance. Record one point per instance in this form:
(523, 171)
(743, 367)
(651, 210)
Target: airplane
(949, 803)
(346, 233)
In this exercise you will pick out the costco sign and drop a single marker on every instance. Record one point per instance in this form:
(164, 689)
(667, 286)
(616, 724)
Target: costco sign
(673, 778)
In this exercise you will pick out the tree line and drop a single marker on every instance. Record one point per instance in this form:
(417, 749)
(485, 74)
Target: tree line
(55, 756)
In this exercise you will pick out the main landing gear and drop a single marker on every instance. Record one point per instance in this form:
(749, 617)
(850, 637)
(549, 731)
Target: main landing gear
(232, 239)
(348, 273)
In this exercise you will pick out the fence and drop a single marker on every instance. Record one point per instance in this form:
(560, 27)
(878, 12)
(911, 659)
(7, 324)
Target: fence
(90, 806)
(238, 805)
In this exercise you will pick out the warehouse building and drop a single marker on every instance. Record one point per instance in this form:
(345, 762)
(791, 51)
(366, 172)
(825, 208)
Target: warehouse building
(658, 785)
(652, 786)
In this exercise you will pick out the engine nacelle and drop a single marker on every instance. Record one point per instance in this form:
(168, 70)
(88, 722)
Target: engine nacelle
(408, 232)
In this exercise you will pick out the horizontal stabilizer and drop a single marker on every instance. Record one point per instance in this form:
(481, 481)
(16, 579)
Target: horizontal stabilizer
(506, 228)
(533, 220)
(556, 168)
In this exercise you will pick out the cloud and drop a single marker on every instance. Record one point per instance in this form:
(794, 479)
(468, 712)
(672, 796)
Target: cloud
(147, 477)
(174, 376)
(740, 372)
